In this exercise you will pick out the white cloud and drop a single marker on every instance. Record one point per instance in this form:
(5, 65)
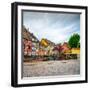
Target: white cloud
(55, 27)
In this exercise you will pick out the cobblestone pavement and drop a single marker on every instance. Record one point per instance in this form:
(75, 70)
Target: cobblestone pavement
(51, 68)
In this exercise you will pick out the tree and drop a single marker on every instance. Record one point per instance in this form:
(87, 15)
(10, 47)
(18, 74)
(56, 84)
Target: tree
(74, 41)
(78, 46)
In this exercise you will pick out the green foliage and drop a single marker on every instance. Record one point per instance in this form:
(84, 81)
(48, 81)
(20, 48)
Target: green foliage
(78, 46)
(74, 41)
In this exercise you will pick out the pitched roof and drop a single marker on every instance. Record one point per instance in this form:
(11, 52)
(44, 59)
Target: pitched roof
(27, 34)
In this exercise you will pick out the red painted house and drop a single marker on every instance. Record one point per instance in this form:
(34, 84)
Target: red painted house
(65, 47)
(30, 42)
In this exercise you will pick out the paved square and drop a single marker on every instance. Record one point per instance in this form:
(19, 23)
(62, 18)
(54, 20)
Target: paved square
(51, 68)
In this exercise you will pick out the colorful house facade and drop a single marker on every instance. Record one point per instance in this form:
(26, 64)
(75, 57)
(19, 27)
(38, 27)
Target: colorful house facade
(30, 42)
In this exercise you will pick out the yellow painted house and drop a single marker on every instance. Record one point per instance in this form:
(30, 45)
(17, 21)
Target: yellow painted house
(44, 42)
(73, 51)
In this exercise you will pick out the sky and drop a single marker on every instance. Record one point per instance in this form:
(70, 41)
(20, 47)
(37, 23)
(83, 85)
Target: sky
(57, 27)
